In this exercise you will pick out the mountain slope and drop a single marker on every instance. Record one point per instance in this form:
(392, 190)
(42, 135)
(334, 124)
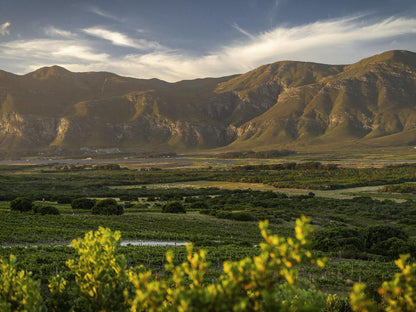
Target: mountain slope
(294, 105)
(365, 103)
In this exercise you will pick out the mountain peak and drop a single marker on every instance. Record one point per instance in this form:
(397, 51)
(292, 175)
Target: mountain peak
(397, 56)
(54, 71)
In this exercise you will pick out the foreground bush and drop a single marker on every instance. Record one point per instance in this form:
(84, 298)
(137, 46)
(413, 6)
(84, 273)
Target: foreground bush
(18, 291)
(266, 282)
(399, 294)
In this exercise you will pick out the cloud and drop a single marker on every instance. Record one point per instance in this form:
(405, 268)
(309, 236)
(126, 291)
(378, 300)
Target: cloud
(335, 41)
(99, 12)
(246, 33)
(50, 51)
(273, 12)
(4, 29)
(121, 40)
(55, 32)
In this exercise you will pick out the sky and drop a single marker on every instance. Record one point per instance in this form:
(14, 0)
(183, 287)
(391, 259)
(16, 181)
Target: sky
(186, 39)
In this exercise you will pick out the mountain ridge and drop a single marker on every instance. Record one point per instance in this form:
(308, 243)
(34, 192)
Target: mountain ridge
(287, 104)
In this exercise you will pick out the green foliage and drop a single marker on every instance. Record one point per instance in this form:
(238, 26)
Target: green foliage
(60, 297)
(46, 210)
(21, 204)
(314, 175)
(387, 241)
(264, 282)
(83, 203)
(100, 274)
(398, 295)
(63, 199)
(128, 204)
(400, 188)
(18, 291)
(338, 238)
(173, 207)
(198, 205)
(334, 303)
(29, 181)
(344, 222)
(382, 240)
(267, 281)
(107, 207)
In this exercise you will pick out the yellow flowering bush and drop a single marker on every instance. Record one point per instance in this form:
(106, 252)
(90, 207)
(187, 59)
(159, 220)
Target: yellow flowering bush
(399, 294)
(100, 274)
(18, 291)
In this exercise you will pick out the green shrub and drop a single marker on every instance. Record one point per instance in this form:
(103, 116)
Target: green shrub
(128, 204)
(386, 240)
(63, 199)
(107, 207)
(337, 239)
(21, 204)
(101, 273)
(242, 216)
(47, 210)
(18, 291)
(199, 205)
(173, 207)
(396, 295)
(128, 197)
(334, 303)
(83, 203)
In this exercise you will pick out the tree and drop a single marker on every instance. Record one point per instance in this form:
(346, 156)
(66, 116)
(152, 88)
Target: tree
(377, 239)
(63, 199)
(107, 207)
(173, 207)
(83, 203)
(21, 204)
(47, 210)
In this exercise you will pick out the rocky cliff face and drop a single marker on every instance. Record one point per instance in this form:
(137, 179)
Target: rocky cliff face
(285, 104)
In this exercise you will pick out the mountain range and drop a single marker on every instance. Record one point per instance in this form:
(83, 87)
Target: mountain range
(284, 105)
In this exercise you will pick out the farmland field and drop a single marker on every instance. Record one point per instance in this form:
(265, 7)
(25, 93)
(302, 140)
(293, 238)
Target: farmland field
(223, 207)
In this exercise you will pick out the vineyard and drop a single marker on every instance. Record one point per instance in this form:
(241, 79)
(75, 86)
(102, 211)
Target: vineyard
(45, 208)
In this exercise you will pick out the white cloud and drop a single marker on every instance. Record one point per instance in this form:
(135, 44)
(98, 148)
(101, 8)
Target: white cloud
(99, 12)
(336, 41)
(4, 29)
(273, 12)
(332, 41)
(241, 30)
(121, 40)
(49, 51)
(56, 32)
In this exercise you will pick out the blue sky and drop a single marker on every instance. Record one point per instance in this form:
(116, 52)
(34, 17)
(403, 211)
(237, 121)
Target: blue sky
(185, 39)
